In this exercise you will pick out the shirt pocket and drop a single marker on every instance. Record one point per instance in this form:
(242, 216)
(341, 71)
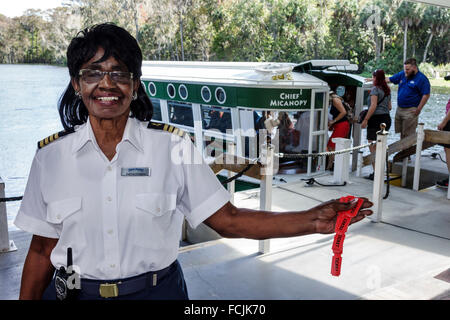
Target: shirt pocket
(153, 223)
(66, 216)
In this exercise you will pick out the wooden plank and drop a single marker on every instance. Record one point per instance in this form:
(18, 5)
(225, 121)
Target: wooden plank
(411, 150)
(435, 136)
(395, 147)
(402, 144)
(235, 164)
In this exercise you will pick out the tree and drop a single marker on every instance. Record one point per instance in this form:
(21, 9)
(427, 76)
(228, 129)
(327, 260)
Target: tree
(406, 16)
(437, 20)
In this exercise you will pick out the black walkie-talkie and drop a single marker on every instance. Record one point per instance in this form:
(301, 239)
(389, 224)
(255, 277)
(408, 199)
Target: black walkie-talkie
(65, 288)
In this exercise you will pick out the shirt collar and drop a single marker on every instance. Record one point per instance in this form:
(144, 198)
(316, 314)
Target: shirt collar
(131, 134)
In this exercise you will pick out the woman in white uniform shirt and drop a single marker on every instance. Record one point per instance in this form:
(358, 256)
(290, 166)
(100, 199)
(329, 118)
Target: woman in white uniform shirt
(112, 190)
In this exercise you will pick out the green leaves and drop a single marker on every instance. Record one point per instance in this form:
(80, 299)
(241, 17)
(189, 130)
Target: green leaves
(365, 32)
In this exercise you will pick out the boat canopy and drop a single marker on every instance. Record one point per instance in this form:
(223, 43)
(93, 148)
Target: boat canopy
(325, 64)
(440, 3)
(230, 73)
(333, 72)
(255, 85)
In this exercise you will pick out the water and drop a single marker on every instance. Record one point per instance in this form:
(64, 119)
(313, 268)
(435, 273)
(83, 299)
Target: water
(28, 113)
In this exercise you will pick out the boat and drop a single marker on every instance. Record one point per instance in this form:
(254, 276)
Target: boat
(224, 105)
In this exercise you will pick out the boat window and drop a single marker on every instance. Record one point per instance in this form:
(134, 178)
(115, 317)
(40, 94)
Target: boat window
(206, 94)
(221, 96)
(320, 100)
(183, 92)
(180, 113)
(171, 90)
(293, 130)
(217, 118)
(156, 109)
(365, 99)
(152, 89)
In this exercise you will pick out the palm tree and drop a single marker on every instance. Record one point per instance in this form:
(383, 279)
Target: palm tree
(437, 20)
(405, 16)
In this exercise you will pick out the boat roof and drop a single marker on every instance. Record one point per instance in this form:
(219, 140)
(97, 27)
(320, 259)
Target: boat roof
(342, 78)
(243, 74)
(440, 3)
(323, 64)
(333, 71)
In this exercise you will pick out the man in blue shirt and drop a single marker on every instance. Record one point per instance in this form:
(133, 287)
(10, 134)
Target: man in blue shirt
(413, 94)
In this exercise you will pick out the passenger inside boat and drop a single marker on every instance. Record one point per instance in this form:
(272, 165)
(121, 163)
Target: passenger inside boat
(286, 131)
(180, 113)
(301, 133)
(219, 119)
(294, 138)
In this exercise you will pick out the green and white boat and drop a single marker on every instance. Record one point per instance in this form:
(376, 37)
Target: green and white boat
(226, 101)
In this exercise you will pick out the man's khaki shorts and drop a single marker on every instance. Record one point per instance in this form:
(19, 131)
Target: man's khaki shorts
(406, 121)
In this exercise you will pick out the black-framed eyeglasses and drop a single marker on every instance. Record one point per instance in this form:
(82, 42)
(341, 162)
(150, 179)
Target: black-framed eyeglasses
(95, 76)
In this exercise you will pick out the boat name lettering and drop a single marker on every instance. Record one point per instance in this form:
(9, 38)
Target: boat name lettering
(293, 96)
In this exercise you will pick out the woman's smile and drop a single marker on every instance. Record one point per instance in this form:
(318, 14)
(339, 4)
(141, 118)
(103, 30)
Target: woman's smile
(103, 97)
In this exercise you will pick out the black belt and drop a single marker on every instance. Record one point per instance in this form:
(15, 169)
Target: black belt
(120, 287)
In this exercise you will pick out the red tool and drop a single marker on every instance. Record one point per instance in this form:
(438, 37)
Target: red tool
(342, 222)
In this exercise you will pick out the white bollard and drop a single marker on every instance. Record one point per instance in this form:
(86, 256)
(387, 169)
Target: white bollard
(359, 164)
(404, 171)
(231, 149)
(341, 161)
(6, 245)
(378, 180)
(448, 190)
(265, 196)
(420, 138)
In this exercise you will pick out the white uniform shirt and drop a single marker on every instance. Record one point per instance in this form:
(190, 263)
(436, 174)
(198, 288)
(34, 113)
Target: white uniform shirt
(118, 225)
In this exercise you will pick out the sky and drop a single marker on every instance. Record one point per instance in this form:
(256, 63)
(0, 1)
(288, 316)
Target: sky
(15, 8)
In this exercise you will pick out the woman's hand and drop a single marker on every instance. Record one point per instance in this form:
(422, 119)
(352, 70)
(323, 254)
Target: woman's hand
(442, 125)
(364, 124)
(331, 124)
(327, 214)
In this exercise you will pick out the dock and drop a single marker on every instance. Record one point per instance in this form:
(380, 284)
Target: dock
(405, 256)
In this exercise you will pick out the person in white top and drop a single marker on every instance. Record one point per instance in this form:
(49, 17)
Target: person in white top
(115, 188)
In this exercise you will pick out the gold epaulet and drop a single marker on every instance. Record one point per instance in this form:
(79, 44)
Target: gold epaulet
(54, 137)
(166, 127)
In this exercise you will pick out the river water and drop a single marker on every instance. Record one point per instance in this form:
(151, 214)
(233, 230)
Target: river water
(28, 113)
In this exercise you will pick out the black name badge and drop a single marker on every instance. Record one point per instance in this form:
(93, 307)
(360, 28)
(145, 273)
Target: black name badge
(135, 172)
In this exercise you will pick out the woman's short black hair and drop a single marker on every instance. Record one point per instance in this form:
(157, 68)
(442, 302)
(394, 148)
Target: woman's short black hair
(116, 42)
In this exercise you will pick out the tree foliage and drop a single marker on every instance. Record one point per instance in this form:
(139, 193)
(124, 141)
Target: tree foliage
(370, 33)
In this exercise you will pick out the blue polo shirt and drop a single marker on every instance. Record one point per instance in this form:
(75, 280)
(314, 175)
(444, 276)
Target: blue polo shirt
(410, 91)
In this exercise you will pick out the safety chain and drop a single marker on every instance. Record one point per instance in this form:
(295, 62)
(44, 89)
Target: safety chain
(320, 154)
(239, 174)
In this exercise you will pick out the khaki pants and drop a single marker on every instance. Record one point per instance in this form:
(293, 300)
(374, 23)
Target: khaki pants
(406, 121)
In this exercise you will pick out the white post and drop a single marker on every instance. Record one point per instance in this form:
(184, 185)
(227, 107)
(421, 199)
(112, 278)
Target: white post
(198, 128)
(359, 164)
(6, 245)
(404, 171)
(231, 186)
(265, 197)
(378, 180)
(420, 138)
(341, 161)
